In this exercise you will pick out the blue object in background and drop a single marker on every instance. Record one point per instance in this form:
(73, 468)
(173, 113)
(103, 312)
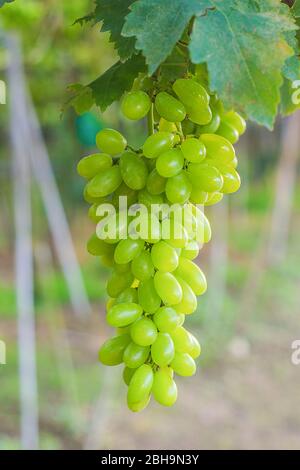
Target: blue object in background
(87, 126)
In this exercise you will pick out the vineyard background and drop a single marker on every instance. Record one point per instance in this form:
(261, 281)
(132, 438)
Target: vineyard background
(246, 393)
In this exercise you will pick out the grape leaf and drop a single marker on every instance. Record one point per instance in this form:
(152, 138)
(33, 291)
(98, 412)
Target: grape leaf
(175, 66)
(159, 24)
(245, 49)
(296, 9)
(81, 99)
(110, 86)
(112, 13)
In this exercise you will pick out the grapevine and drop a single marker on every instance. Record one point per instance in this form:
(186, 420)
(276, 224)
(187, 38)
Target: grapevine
(187, 160)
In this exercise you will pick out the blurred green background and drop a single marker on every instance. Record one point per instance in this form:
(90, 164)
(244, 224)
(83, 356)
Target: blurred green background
(246, 392)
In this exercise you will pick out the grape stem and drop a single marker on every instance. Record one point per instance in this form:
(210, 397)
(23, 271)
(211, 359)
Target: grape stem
(150, 121)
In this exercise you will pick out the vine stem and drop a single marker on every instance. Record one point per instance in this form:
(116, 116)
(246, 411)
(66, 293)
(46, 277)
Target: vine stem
(150, 121)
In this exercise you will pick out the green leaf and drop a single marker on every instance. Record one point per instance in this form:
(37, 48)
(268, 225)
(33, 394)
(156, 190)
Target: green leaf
(112, 14)
(116, 80)
(296, 9)
(159, 24)
(81, 99)
(245, 49)
(175, 66)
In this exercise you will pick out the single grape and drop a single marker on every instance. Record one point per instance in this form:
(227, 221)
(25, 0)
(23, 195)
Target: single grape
(118, 282)
(128, 295)
(164, 388)
(105, 182)
(183, 364)
(170, 163)
(123, 314)
(97, 247)
(167, 126)
(193, 150)
(191, 251)
(139, 406)
(127, 249)
(135, 105)
(199, 114)
(178, 188)
(164, 256)
(89, 166)
(162, 350)
(133, 170)
(235, 120)
(166, 319)
(188, 303)
(205, 177)
(140, 385)
(155, 183)
(111, 141)
(142, 266)
(228, 132)
(148, 297)
(192, 274)
(198, 196)
(210, 128)
(231, 179)
(111, 352)
(135, 355)
(182, 339)
(158, 143)
(169, 107)
(191, 93)
(143, 332)
(168, 288)
(218, 148)
(213, 198)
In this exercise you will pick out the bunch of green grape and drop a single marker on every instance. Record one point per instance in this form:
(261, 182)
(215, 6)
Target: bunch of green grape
(188, 159)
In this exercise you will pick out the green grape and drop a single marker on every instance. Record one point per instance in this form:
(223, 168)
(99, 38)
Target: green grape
(174, 233)
(203, 226)
(193, 150)
(228, 132)
(183, 364)
(92, 213)
(210, 128)
(140, 385)
(191, 251)
(166, 319)
(162, 350)
(118, 282)
(128, 295)
(168, 288)
(182, 339)
(181, 319)
(134, 170)
(205, 177)
(213, 198)
(139, 406)
(123, 314)
(127, 374)
(188, 127)
(218, 148)
(167, 126)
(178, 188)
(111, 352)
(164, 388)
(169, 107)
(158, 143)
(199, 115)
(135, 355)
(149, 199)
(111, 141)
(89, 166)
(107, 261)
(198, 196)
(142, 266)
(192, 274)
(195, 349)
(170, 163)
(148, 297)
(127, 249)
(148, 228)
(92, 200)
(236, 121)
(191, 93)
(105, 182)
(231, 178)
(121, 268)
(135, 105)
(97, 247)
(125, 191)
(143, 332)
(188, 302)
(164, 257)
(155, 183)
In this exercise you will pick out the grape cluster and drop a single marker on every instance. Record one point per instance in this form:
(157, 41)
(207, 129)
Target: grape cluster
(187, 159)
